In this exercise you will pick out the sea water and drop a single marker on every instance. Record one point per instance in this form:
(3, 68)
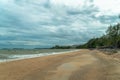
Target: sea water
(11, 55)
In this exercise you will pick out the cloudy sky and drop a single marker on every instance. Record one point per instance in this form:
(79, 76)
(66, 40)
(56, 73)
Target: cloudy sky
(44, 23)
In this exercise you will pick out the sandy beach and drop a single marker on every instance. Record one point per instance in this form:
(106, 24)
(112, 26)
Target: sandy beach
(79, 65)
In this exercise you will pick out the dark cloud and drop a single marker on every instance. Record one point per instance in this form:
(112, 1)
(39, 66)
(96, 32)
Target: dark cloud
(41, 23)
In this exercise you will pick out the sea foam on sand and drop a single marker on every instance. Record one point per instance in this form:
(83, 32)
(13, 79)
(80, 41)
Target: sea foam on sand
(27, 56)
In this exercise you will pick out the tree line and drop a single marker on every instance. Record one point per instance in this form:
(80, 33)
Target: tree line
(110, 40)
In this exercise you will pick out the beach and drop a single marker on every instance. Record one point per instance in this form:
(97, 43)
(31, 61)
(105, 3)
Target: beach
(7, 55)
(78, 65)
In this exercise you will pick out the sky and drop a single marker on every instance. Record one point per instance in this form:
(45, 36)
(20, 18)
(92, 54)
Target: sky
(45, 23)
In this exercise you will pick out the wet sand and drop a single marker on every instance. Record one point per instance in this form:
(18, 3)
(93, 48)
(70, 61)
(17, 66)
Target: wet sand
(80, 65)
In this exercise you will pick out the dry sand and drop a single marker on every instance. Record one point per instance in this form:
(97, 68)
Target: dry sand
(80, 65)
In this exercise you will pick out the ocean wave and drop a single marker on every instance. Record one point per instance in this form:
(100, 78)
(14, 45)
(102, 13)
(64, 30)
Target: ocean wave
(27, 56)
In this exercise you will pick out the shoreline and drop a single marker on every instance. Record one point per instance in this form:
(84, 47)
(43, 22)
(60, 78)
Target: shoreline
(18, 69)
(80, 65)
(31, 56)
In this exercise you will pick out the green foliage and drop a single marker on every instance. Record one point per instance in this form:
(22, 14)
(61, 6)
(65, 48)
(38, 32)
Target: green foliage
(110, 40)
(61, 47)
(81, 46)
(113, 34)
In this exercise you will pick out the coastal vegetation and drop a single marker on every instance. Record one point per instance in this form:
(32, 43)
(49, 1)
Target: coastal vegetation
(111, 39)
(61, 47)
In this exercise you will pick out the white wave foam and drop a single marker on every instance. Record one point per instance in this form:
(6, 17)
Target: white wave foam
(20, 57)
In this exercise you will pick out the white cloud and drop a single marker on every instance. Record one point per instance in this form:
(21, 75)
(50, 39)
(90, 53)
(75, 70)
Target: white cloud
(17, 42)
(108, 7)
(5, 1)
(70, 3)
(54, 21)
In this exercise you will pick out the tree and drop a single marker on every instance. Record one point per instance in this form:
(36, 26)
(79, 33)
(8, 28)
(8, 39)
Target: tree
(113, 33)
(110, 40)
